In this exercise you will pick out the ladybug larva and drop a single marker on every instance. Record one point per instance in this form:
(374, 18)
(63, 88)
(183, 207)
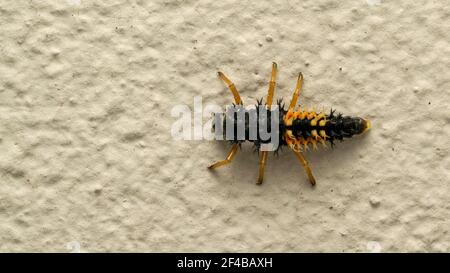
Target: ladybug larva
(297, 128)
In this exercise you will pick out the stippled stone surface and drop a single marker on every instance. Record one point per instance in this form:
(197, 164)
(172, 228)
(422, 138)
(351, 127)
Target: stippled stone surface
(87, 161)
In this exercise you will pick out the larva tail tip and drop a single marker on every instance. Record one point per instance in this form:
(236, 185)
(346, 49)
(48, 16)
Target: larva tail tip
(368, 125)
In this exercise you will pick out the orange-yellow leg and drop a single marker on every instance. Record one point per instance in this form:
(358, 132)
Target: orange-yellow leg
(306, 166)
(262, 165)
(298, 89)
(229, 158)
(272, 84)
(232, 87)
(270, 93)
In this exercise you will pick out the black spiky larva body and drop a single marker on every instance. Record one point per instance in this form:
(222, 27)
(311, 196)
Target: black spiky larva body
(297, 128)
(300, 129)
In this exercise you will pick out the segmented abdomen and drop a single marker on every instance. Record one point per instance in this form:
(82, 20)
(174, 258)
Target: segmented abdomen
(305, 128)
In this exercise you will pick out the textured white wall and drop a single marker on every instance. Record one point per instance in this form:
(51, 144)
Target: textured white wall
(87, 162)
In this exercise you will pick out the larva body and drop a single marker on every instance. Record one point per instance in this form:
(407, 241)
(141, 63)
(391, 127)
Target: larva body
(298, 129)
(294, 127)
